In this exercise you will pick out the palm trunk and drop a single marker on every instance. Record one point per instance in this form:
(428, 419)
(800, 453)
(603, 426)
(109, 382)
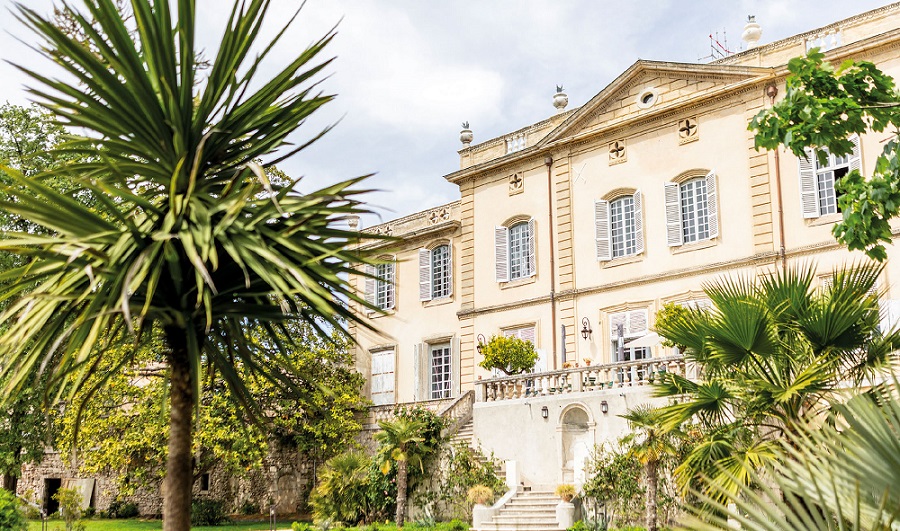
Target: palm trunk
(652, 471)
(401, 492)
(179, 477)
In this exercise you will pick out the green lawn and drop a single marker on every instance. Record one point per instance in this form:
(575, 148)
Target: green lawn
(153, 525)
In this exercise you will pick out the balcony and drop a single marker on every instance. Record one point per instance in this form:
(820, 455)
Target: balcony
(590, 378)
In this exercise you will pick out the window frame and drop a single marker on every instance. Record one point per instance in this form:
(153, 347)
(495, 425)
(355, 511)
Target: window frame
(525, 248)
(681, 231)
(811, 179)
(440, 385)
(605, 226)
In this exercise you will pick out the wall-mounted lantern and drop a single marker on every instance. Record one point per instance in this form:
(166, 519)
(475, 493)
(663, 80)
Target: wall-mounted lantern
(545, 413)
(480, 346)
(604, 407)
(586, 329)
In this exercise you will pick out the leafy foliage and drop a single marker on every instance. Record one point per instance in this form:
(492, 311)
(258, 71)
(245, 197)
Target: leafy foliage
(823, 106)
(508, 354)
(772, 353)
(186, 234)
(11, 516)
(842, 475)
(614, 481)
(70, 508)
(342, 494)
(446, 491)
(208, 511)
(669, 314)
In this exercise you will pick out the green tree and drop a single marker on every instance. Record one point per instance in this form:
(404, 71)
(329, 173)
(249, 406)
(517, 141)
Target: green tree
(822, 108)
(842, 475)
(650, 444)
(772, 353)
(27, 138)
(127, 432)
(11, 516)
(508, 354)
(188, 236)
(397, 441)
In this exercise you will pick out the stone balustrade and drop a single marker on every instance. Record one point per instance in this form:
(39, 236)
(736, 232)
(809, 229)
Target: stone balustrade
(579, 379)
(375, 414)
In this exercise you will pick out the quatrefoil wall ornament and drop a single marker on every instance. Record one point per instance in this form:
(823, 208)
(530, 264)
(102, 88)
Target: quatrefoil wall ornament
(688, 130)
(617, 153)
(516, 183)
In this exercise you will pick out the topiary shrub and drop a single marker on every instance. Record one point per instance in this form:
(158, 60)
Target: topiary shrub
(11, 516)
(208, 511)
(508, 354)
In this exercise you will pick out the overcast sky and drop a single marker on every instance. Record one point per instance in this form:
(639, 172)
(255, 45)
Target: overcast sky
(408, 72)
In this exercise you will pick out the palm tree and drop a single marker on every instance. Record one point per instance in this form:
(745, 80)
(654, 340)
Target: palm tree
(772, 353)
(188, 235)
(827, 478)
(398, 440)
(649, 443)
(342, 489)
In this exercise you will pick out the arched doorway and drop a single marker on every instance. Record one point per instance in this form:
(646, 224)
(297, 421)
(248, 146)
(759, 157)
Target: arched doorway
(577, 441)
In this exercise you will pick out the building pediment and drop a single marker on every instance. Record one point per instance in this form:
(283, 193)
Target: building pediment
(648, 87)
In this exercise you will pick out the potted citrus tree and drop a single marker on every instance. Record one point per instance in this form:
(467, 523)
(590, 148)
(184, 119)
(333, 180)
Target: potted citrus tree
(510, 355)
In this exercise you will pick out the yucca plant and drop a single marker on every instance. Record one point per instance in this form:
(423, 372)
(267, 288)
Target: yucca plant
(773, 352)
(188, 234)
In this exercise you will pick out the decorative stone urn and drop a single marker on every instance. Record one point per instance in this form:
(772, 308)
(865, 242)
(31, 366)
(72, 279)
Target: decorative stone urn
(560, 99)
(466, 136)
(752, 33)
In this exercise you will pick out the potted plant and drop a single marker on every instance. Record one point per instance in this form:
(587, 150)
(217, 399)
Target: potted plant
(482, 512)
(565, 511)
(510, 355)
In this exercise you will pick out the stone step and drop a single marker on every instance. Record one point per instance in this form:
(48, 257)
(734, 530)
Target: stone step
(519, 527)
(534, 501)
(537, 511)
(524, 519)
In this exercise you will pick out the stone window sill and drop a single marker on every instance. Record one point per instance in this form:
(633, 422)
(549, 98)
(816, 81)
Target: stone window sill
(695, 246)
(827, 219)
(437, 302)
(518, 282)
(622, 260)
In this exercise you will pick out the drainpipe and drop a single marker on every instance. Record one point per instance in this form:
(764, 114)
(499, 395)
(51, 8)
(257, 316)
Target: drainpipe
(771, 92)
(548, 161)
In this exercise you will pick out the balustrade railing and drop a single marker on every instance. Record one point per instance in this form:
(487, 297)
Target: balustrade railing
(387, 411)
(458, 413)
(580, 379)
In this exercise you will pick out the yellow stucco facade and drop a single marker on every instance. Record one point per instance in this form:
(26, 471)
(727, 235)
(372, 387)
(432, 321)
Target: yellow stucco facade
(670, 138)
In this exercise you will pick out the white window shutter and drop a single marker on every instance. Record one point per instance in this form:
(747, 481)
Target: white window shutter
(417, 372)
(450, 268)
(809, 194)
(391, 279)
(855, 158)
(455, 387)
(601, 230)
(638, 223)
(370, 284)
(712, 204)
(424, 275)
(501, 253)
(674, 232)
(890, 315)
(528, 334)
(637, 323)
(532, 257)
(615, 320)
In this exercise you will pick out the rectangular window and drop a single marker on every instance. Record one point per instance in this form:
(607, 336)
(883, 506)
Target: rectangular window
(694, 211)
(384, 287)
(382, 379)
(441, 370)
(827, 176)
(204, 483)
(621, 217)
(440, 272)
(519, 251)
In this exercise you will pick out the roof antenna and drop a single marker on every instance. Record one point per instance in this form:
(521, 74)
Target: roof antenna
(718, 48)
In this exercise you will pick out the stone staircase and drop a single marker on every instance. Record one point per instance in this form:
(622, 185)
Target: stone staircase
(526, 511)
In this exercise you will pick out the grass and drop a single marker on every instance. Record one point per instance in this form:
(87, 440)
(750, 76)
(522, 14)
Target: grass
(153, 525)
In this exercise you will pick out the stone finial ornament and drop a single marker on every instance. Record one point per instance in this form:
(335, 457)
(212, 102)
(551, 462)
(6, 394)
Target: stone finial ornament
(752, 32)
(560, 99)
(466, 136)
